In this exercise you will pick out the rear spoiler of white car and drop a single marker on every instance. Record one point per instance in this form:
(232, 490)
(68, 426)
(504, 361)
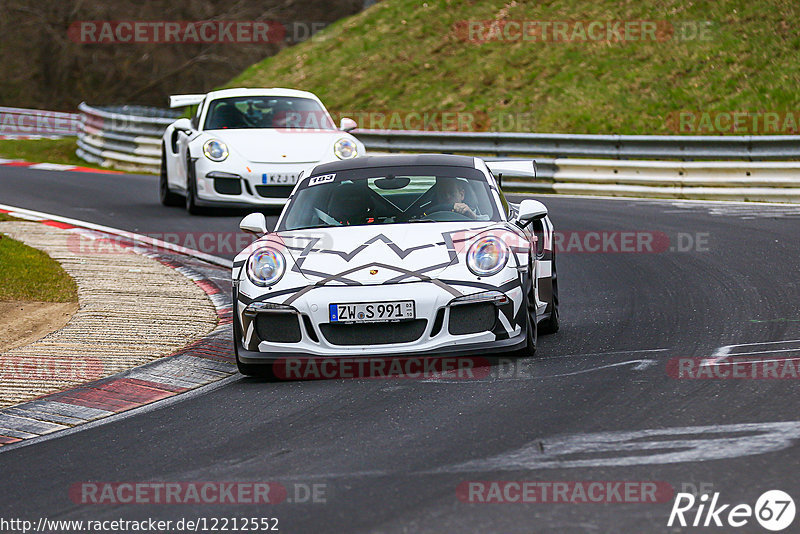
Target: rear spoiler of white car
(518, 168)
(179, 101)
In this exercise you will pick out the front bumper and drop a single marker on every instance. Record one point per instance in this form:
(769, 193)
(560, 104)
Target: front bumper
(247, 186)
(304, 328)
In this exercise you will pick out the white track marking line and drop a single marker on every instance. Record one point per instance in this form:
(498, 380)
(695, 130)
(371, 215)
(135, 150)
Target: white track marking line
(51, 167)
(719, 355)
(216, 260)
(723, 353)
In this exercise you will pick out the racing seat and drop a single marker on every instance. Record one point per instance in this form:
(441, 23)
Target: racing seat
(351, 204)
(226, 116)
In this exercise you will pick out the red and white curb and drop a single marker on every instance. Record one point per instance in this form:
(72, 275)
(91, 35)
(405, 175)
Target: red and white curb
(201, 363)
(53, 166)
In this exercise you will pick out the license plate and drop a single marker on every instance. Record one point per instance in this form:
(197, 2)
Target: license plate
(279, 178)
(372, 312)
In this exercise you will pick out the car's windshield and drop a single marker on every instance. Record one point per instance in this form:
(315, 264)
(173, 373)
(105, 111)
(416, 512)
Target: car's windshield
(390, 195)
(267, 112)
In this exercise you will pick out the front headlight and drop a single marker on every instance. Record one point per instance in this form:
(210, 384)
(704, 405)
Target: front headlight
(487, 256)
(215, 150)
(345, 149)
(265, 267)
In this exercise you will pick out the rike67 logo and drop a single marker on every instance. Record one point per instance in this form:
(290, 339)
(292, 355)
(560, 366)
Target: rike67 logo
(774, 510)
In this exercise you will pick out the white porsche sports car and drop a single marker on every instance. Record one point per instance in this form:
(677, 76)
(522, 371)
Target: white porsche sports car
(245, 147)
(411, 255)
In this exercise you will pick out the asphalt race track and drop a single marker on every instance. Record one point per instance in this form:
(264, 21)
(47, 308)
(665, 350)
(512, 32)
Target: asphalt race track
(597, 404)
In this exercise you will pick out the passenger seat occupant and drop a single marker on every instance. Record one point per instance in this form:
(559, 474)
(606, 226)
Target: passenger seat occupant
(351, 204)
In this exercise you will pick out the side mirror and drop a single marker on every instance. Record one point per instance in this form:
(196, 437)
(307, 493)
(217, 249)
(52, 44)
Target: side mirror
(348, 124)
(183, 125)
(531, 210)
(255, 224)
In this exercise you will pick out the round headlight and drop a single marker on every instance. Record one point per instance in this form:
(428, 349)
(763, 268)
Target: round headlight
(345, 149)
(487, 256)
(265, 267)
(215, 150)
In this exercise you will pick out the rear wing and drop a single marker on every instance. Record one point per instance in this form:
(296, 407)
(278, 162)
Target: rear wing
(179, 101)
(518, 168)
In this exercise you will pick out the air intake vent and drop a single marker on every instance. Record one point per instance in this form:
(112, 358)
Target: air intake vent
(472, 318)
(373, 333)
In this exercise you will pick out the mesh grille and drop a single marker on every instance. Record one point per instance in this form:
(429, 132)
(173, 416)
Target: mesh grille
(278, 327)
(228, 186)
(274, 191)
(472, 318)
(373, 333)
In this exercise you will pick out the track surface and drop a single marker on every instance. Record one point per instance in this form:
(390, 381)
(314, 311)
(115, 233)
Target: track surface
(392, 452)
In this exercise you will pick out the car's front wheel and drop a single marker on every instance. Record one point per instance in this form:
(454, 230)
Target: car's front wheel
(168, 198)
(191, 189)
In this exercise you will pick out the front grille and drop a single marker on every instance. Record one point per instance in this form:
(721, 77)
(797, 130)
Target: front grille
(228, 186)
(278, 327)
(472, 318)
(373, 333)
(274, 191)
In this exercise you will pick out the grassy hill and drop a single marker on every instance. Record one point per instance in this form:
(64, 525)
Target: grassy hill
(408, 55)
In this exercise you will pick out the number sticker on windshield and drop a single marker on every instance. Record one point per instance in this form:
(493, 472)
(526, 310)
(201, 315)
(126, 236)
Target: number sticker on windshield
(324, 179)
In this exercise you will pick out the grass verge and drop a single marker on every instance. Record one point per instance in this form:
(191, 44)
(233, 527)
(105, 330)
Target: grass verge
(44, 151)
(29, 274)
(411, 56)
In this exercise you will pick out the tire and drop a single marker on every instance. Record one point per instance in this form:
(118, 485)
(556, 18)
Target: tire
(531, 328)
(551, 324)
(168, 198)
(191, 189)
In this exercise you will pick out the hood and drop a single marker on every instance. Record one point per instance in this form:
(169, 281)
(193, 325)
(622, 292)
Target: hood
(280, 145)
(374, 255)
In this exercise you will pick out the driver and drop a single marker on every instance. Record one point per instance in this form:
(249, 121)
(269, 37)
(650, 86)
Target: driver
(450, 193)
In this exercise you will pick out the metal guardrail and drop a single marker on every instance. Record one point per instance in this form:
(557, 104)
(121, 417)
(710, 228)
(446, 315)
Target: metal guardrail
(123, 137)
(503, 144)
(130, 138)
(20, 122)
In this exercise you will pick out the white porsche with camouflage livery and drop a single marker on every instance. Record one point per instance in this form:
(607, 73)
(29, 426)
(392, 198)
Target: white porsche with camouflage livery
(395, 255)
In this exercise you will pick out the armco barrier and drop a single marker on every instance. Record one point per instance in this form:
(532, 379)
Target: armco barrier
(19, 122)
(502, 144)
(130, 138)
(123, 137)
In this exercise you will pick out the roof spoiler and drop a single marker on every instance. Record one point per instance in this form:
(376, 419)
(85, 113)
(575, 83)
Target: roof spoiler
(518, 168)
(179, 101)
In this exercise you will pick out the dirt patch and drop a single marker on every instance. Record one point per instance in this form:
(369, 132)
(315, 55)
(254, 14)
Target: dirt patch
(23, 322)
